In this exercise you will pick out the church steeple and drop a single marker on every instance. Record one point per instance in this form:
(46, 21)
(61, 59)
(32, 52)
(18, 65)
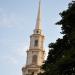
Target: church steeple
(38, 21)
(35, 53)
(38, 26)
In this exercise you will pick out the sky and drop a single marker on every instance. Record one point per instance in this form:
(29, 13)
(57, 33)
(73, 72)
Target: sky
(17, 22)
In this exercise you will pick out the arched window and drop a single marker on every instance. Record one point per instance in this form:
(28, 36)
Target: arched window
(34, 59)
(36, 43)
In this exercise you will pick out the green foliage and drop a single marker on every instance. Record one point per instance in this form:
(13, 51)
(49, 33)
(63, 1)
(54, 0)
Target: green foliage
(61, 56)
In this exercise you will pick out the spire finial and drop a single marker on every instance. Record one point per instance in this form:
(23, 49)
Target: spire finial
(38, 21)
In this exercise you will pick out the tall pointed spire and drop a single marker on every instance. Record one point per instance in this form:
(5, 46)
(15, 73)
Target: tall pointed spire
(38, 21)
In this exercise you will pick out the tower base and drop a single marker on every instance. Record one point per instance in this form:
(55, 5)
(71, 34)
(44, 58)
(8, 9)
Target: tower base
(31, 70)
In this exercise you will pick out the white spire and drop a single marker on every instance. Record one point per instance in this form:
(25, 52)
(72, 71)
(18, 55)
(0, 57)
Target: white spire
(38, 21)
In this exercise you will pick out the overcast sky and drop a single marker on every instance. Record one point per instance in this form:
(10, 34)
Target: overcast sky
(17, 22)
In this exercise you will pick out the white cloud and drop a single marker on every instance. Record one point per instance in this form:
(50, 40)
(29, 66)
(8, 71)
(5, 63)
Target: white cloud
(8, 59)
(6, 20)
(1, 9)
(20, 53)
(18, 57)
(9, 19)
(12, 60)
(46, 52)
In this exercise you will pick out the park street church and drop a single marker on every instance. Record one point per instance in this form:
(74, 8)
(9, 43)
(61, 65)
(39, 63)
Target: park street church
(35, 53)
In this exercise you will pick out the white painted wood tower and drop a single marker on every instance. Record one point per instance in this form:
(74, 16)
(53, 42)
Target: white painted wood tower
(35, 54)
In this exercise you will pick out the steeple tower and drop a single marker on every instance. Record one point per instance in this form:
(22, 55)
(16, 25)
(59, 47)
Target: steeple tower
(38, 26)
(35, 53)
(38, 22)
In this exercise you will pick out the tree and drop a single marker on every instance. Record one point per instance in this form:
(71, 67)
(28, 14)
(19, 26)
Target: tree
(61, 56)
